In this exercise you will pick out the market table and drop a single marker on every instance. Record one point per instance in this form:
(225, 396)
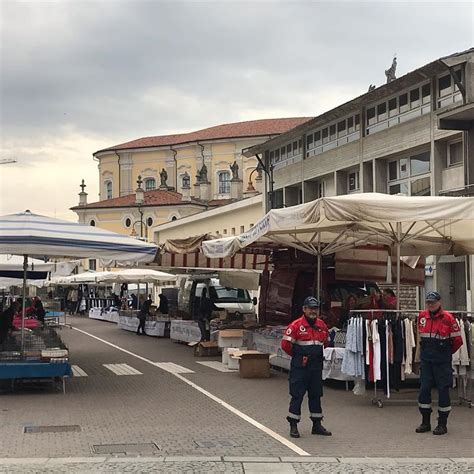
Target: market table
(183, 330)
(152, 327)
(35, 370)
(100, 314)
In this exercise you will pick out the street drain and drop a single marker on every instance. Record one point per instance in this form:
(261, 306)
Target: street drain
(125, 448)
(221, 443)
(52, 429)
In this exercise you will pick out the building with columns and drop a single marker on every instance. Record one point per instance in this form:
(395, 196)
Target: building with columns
(155, 180)
(413, 135)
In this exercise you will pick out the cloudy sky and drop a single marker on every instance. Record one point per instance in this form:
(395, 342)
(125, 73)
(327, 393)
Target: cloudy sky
(77, 76)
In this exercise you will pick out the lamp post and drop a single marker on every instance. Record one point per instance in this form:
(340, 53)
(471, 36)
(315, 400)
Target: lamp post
(139, 201)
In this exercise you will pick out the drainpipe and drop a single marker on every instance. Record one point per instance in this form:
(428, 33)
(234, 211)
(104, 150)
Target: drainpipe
(175, 168)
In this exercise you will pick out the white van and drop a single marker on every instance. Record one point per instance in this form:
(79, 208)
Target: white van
(231, 300)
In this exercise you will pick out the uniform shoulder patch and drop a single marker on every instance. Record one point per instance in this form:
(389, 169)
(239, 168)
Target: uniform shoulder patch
(288, 331)
(423, 322)
(302, 328)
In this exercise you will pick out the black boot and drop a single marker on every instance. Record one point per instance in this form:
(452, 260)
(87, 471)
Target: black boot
(294, 433)
(425, 423)
(318, 428)
(442, 428)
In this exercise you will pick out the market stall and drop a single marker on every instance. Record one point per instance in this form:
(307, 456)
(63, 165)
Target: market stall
(30, 234)
(156, 324)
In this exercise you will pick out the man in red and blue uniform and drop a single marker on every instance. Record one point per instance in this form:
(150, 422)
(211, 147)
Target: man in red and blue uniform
(440, 338)
(304, 341)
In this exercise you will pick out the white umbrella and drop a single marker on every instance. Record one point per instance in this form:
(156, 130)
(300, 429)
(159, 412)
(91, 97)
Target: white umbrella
(431, 225)
(27, 234)
(135, 275)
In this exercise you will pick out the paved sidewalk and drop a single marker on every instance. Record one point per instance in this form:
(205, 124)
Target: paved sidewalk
(244, 465)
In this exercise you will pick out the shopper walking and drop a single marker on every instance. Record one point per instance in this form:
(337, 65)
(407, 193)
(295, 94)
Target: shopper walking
(142, 315)
(304, 340)
(440, 339)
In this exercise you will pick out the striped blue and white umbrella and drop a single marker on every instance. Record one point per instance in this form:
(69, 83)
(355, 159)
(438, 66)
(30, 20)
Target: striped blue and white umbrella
(26, 233)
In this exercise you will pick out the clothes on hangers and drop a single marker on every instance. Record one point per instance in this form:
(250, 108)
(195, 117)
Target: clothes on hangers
(409, 345)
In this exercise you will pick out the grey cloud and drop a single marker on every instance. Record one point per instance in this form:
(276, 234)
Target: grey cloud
(89, 65)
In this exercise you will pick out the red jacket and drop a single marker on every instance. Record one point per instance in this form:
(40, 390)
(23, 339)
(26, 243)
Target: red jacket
(301, 334)
(441, 326)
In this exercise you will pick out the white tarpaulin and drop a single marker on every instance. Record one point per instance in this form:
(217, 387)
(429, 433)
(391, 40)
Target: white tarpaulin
(431, 225)
(135, 275)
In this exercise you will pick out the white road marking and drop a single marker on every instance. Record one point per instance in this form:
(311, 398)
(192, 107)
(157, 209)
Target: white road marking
(77, 371)
(122, 369)
(173, 368)
(237, 412)
(216, 365)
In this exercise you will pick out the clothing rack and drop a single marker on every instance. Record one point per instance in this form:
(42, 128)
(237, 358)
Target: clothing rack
(391, 315)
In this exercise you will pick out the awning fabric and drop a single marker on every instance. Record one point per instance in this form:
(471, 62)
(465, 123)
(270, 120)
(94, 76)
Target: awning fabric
(26, 233)
(432, 225)
(136, 275)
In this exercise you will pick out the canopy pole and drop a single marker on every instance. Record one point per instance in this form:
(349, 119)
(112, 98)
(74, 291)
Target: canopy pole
(399, 236)
(23, 305)
(318, 291)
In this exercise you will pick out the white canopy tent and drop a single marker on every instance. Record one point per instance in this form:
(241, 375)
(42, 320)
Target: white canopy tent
(408, 225)
(135, 275)
(29, 234)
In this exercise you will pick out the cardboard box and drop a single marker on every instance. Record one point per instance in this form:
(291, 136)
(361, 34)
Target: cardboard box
(206, 349)
(228, 351)
(254, 364)
(231, 338)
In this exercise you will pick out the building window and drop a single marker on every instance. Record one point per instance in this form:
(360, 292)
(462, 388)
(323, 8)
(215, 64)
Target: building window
(242, 229)
(232, 231)
(128, 222)
(353, 181)
(410, 176)
(92, 223)
(149, 221)
(174, 218)
(150, 184)
(455, 154)
(420, 164)
(92, 264)
(250, 226)
(108, 190)
(224, 182)
(225, 231)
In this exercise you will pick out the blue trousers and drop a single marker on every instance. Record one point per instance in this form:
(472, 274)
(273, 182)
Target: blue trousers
(435, 375)
(302, 381)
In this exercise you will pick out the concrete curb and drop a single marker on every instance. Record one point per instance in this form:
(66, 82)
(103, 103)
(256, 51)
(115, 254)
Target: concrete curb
(241, 459)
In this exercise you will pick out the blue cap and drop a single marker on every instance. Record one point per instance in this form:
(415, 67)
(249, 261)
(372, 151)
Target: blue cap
(433, 296)
(311, 302)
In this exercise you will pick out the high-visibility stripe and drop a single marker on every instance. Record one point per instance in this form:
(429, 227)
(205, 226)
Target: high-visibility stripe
(455, 334)
(308, 343)
(288, 338)
(434, 336)
(444, 409)
(295, 417)
(316, 415)
(424, 405)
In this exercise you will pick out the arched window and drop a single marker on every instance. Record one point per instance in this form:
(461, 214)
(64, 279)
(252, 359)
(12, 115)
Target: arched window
(150, 184)
(92, 223)
(149, 221)
(108, 190)
(224, 182)
(174, 218)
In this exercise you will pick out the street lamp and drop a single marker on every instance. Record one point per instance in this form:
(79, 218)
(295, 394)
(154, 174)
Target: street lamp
(139, 201)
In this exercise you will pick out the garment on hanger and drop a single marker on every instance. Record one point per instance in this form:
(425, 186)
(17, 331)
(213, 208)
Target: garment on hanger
(376, 351)
(409, 345)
